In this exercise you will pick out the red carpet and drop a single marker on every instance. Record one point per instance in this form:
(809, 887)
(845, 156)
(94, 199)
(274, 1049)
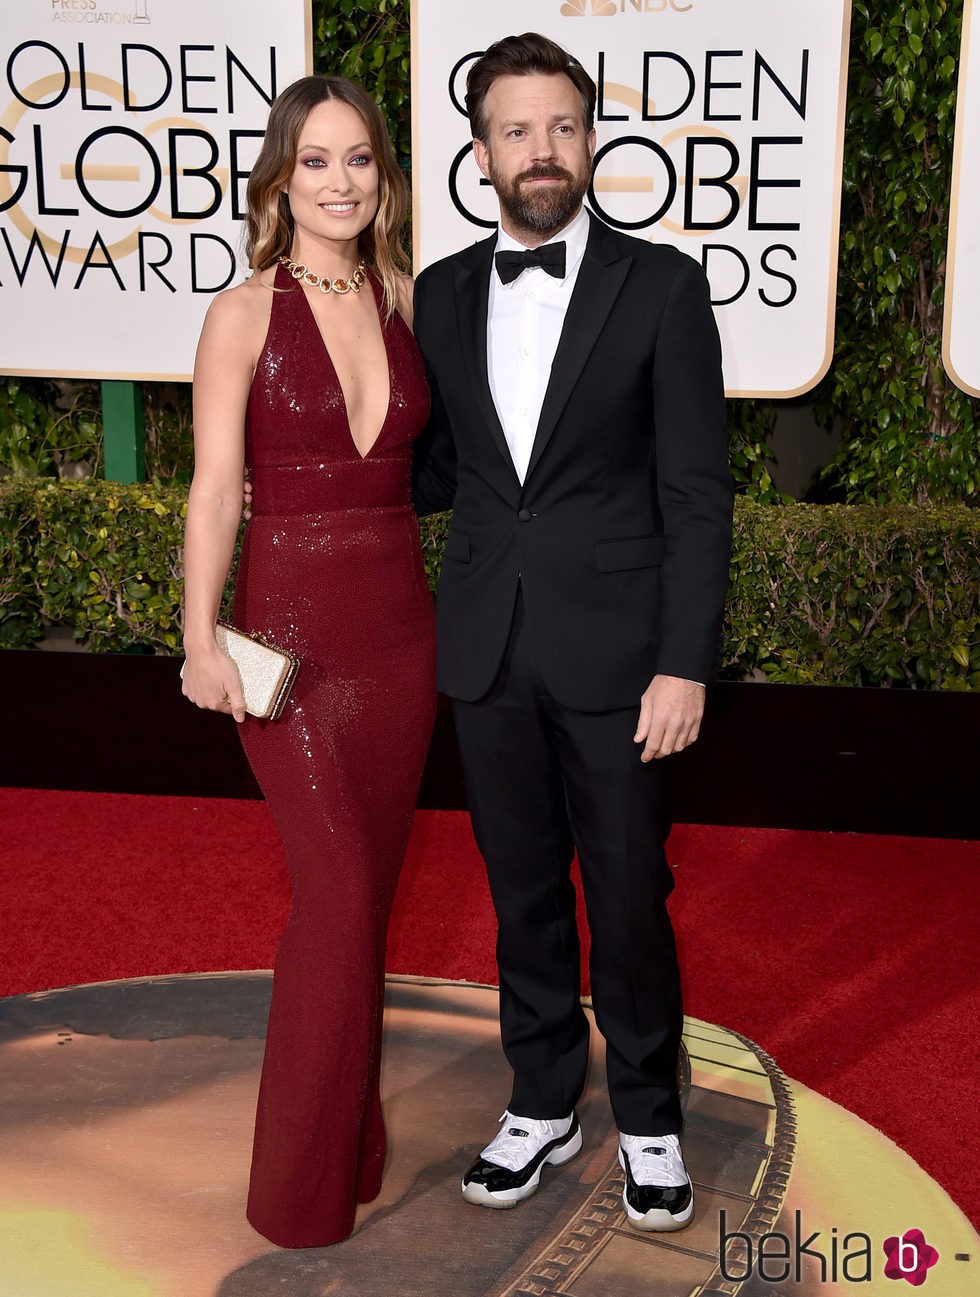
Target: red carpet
(851, 959)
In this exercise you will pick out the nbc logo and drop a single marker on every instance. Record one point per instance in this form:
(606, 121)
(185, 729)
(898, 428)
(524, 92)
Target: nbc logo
(609, 8)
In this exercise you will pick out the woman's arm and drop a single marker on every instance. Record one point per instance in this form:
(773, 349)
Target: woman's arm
(223, 370)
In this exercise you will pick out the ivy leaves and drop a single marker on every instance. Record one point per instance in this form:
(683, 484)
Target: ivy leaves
(369, 41)
(908, 432)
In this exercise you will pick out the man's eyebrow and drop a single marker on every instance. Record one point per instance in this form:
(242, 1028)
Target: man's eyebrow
(558, 119)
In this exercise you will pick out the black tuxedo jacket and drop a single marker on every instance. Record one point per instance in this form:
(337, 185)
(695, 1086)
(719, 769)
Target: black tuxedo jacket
(620, 533)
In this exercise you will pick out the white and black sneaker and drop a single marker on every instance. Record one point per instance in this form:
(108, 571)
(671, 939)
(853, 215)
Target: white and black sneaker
(509, 1168)
(658, 1193)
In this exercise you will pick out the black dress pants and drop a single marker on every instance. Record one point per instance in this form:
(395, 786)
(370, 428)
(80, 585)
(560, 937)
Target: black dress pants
(543, 780)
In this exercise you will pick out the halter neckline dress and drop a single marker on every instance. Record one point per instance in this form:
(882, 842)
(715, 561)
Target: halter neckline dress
(331, 568)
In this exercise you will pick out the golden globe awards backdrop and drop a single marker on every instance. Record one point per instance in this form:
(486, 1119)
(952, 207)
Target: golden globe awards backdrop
(961, 322)
(719, 129)
(127, 132)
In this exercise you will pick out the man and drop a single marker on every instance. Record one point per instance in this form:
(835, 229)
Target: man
(578, 431)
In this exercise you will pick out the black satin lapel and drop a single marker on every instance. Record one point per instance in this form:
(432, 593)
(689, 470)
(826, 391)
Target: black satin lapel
(596, 289)
(472, 285)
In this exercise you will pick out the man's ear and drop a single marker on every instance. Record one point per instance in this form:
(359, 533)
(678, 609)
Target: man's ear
(482, 155)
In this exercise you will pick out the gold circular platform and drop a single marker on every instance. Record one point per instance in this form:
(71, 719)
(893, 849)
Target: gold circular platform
(127, 1111)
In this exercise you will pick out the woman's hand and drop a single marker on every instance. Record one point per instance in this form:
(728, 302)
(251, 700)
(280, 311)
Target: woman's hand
(211, 681)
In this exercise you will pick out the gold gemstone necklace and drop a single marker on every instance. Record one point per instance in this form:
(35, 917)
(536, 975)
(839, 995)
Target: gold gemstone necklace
(303, 273)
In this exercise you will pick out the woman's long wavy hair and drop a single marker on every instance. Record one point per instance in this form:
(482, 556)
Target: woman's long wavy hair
(269, 224)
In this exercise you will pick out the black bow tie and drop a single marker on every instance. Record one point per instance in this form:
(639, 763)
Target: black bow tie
(550, 257)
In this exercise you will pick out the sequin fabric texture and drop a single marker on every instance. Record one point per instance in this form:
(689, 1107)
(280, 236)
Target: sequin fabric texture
(331, 568)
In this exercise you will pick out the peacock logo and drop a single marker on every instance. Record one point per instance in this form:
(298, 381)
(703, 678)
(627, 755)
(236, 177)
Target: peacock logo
(597, 8)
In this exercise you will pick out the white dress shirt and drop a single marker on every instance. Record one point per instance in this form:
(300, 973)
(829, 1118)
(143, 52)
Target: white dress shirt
(524, 324)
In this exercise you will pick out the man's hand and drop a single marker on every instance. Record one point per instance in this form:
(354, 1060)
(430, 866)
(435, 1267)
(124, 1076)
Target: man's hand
(670, 716)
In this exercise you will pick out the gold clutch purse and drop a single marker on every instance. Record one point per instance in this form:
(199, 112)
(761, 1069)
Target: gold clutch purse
(267, 673)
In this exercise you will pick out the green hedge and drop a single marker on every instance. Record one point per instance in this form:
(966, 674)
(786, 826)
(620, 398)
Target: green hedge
(821, 594)
(856, 595)
(20, 599)
(100, 557)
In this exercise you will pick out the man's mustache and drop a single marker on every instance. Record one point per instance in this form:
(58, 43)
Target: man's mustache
(544, 172)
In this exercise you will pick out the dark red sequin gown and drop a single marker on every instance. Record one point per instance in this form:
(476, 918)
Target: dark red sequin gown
(331, 568)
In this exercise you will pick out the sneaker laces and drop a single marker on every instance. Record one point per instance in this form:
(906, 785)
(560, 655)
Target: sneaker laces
(521, 1139)
(655, 1159)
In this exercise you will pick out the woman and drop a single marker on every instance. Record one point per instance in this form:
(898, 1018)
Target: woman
(316, 383)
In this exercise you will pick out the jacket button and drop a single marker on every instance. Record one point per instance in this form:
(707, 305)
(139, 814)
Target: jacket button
(525, 515)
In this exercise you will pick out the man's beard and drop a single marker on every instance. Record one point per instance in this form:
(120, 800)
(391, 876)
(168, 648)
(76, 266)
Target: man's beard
(540, 210)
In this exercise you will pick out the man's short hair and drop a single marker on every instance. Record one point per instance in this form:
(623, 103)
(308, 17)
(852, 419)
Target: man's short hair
(527, 55)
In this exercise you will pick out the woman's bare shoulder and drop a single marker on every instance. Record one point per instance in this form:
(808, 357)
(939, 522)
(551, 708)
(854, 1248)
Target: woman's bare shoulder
(247, 302)
(239, 316)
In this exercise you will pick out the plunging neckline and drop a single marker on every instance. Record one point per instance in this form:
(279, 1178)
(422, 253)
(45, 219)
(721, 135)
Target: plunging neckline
(340, 387)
